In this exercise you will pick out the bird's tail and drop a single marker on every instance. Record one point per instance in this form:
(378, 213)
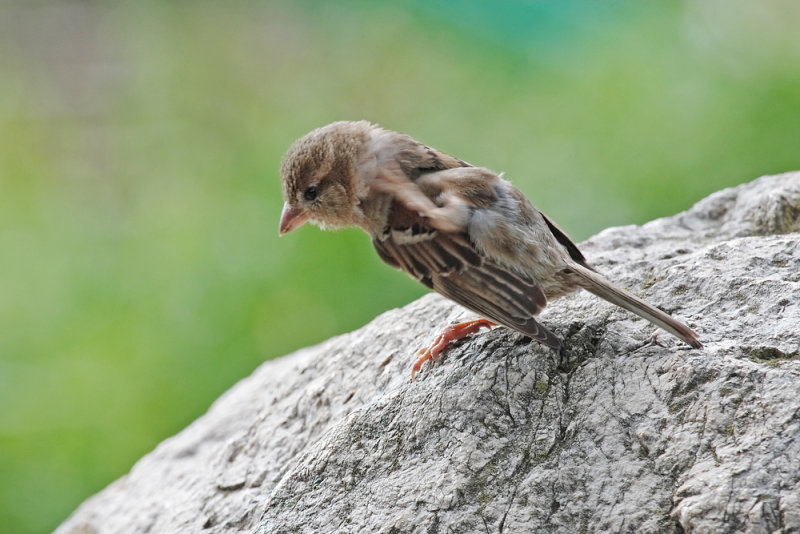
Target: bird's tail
(597, 284)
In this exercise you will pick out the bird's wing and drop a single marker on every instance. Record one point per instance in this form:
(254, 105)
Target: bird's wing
(567, 243)
(449, 263)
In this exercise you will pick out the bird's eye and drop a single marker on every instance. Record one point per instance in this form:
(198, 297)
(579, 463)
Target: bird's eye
(310, 194)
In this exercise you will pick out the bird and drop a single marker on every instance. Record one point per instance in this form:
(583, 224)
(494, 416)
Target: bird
(461, 230)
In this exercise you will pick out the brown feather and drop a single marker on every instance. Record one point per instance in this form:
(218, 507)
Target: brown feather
(450, 265)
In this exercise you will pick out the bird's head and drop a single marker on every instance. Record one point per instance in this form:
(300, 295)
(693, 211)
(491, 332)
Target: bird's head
(319, 176)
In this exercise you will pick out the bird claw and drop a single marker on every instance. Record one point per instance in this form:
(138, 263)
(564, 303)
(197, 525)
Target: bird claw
(448, 336)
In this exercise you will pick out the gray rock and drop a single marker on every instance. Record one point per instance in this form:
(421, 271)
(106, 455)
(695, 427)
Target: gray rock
(624, 430)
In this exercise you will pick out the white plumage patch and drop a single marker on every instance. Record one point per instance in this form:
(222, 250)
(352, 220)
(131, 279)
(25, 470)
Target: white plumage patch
(407, 236)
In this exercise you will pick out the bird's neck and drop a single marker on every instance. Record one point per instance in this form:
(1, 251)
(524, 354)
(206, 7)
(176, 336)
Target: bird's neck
(373, 212)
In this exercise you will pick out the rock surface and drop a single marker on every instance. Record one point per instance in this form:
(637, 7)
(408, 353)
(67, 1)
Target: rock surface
(623, 431)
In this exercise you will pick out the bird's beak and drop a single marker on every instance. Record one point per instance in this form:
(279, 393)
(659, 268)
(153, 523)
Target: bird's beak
(291, 218)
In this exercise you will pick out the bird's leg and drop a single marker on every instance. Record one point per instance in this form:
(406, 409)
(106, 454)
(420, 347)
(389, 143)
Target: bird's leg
(448, 335)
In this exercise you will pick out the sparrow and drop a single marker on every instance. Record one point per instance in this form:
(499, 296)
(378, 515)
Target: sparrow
(460, 230)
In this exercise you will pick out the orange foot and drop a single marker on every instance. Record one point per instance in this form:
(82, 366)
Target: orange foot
(448, 335)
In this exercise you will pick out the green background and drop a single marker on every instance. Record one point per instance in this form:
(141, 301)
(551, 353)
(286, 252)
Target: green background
(141, 273)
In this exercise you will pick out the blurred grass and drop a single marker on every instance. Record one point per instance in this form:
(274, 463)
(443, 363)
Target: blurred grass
(141, 274)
